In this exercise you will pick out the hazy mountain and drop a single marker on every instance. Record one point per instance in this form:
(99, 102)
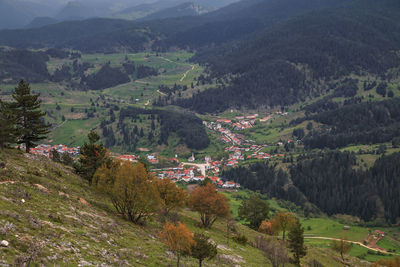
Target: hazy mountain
(358, 38)
(82, 10)
(215, 3)
(11, 16)
(18, 13)
(185, 9)
(226, 24)
(147, 9)
(41, 21)
(142, 10)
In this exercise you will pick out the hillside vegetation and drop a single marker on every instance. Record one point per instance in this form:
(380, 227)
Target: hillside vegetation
(51, 216)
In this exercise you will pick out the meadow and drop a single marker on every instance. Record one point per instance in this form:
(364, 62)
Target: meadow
(68, 109)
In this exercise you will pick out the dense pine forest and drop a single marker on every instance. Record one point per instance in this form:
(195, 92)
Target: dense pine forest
(186, 126)
(286, 64)
(370, 122)
(333, 182)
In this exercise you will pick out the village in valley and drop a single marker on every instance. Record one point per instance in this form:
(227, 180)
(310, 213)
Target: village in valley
(195, 170)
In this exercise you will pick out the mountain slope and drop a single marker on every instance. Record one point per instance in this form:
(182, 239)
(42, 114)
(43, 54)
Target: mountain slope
(18, 13)
(66, 34)
(49, 211)
(229, 23)
(182, 10)
(296, 59)
(269, 52)
(82, 10)
(40, 22)
(11, 16)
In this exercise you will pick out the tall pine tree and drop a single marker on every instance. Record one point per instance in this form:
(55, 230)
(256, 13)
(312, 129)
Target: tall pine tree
(296, 243)
(7, 122)
(30, 125)
(93, 155)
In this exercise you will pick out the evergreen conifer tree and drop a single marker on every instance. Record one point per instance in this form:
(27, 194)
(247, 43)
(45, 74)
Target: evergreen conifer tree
(7, 122)
(296, 243)
(30, 125)
(203, 248)
(93, 155)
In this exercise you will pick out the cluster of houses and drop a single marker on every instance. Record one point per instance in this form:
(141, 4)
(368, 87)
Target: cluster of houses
(152, 158)
(131, 158)
(181, 174)
(224, 127)
(193, 175)
(45, 150)
(226, 135)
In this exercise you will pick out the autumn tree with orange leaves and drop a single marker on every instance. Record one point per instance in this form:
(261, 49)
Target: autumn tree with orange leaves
(130, 188)
(209, 203)
(178, 239)
(283, 221)
(267, 228)
(172, 197)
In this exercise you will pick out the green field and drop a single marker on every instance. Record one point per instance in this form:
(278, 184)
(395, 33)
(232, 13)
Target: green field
(74, 105)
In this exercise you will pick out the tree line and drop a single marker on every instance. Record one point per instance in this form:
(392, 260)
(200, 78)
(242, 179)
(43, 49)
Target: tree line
(359, 123)
(186, 125)
(267, 178)
(30, 65)
(330, 182)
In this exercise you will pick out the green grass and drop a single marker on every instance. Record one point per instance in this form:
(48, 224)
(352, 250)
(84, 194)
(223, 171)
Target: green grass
(75, 232)
(73, 132)
(172, 66)
(326, 227)
(389, 244)
(63, 225)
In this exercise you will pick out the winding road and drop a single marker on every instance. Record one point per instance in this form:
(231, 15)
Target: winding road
(186, 73)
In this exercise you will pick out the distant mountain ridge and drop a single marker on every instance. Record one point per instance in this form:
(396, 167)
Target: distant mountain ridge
(182, 10)
(40, 22)
(298, 58)
(18, 13)
(167, 9)
(15, 14)
(279, 51)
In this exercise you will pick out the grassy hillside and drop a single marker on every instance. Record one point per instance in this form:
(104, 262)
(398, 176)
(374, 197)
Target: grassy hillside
(49, 214)
(42, 211)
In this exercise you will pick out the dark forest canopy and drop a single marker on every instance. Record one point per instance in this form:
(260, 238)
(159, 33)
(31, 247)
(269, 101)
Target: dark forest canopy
(187, 126)
(17, 64)
(29, 65)
(331, 182)
(362, 123)
(294, 60)
(106, 77)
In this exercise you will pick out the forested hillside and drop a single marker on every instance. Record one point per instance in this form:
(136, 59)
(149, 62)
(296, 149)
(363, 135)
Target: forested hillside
(296, 59)
(363, 123)
(17, 64)
(181, 10)
(333, 181)
(155, 126)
